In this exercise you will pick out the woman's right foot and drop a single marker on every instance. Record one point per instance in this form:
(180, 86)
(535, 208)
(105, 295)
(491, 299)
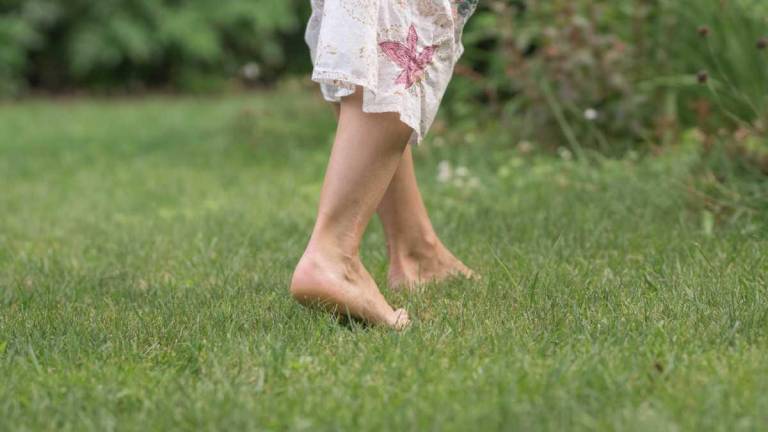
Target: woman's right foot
(342, 286)
(428, 262)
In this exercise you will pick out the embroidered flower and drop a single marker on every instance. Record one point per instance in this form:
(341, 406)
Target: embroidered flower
(409, 58)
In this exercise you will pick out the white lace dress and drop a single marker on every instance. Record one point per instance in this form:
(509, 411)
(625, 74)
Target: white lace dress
(402, 52)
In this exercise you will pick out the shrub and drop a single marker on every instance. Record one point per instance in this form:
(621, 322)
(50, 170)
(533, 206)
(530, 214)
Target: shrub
(618, 75)
(56, 44)
(563, 71)
(722, 43)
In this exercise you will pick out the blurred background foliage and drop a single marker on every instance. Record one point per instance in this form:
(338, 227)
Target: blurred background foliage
(135, 44)
(584, 76)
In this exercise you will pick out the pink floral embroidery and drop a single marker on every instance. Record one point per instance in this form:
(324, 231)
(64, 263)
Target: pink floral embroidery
(407, 57)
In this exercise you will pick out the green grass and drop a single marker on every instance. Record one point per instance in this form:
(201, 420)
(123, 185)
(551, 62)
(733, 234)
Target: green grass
(146, 248)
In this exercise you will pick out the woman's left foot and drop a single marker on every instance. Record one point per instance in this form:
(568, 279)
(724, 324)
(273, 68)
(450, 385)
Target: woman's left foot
(433, 263)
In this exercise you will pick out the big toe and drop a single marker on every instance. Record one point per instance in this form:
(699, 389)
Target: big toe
(402, 320)
(472, 275)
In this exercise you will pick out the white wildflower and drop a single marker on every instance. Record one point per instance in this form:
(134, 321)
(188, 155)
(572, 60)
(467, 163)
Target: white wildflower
(251, 71)
(524, 147)
(444, 172)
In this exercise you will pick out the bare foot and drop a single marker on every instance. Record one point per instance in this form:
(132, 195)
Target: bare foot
(433, 263)
(343, 287)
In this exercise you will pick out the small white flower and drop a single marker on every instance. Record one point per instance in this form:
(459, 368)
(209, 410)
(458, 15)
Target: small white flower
(251, 71)
(564, 153)
(462, 171)
(591, 114)
(444, 172)
(524, 147)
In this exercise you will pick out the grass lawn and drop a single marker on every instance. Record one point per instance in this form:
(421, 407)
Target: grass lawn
(146, 247)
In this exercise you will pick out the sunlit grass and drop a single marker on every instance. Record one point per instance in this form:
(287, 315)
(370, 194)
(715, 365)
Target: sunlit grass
(146, 248)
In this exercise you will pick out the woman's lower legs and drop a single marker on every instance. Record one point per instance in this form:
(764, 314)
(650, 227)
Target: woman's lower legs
(416, 254)
(365, 155)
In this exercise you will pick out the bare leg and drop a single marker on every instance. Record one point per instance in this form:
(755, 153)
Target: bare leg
(416, 254)
(365, 155)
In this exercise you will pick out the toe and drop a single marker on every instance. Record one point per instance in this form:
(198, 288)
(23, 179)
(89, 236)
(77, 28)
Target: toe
(473, 275)
(402, 320)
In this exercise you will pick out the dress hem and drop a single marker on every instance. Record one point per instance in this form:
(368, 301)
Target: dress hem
(344, 85)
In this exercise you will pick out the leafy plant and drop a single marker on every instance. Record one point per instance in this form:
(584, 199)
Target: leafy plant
(57, 44)
(723, 43)
(563, 71)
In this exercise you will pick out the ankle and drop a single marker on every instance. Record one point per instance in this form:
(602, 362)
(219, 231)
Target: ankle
(334, 239)
(329, 257)
(414, 248)
(332, 244)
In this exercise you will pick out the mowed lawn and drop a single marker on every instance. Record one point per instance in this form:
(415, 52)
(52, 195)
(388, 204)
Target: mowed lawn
(146, 247)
